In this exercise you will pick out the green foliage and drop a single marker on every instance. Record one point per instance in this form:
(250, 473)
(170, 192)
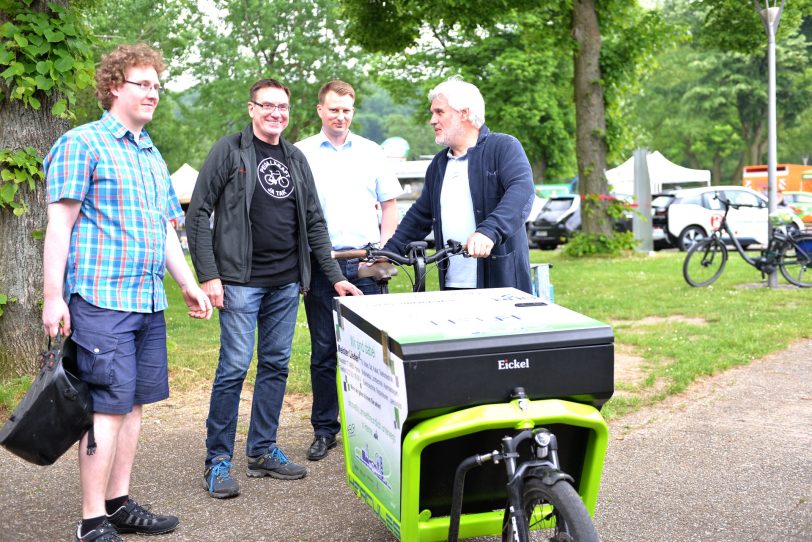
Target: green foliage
(524, 74)
(221, 52)
(12, 391)
(633, 38)
(520, 55)
(3, 302)
(299, 42)
(379, 117)
(589, 244)
(43, 53)
(21, 167)
(732, 25)
(172, 27)
(706, 103)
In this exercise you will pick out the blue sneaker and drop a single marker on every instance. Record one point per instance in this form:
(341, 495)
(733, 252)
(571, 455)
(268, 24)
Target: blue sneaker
(276, 465)
(217, 479)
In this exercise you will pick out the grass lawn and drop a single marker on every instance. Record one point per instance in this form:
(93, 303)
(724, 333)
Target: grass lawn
(674, 333)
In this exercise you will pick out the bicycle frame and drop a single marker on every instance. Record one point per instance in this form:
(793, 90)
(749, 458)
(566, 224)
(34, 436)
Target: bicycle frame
(544, 446)
(777, 240)
(732, 236)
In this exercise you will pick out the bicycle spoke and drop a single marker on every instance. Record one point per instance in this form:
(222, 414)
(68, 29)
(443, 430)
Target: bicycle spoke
(795, 261)
(704, 262)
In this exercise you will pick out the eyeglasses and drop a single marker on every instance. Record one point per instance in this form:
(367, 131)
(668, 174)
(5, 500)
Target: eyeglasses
(269, 108)
(146, 86)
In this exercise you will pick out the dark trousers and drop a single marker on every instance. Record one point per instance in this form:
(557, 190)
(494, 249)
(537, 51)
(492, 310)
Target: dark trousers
(318, 304)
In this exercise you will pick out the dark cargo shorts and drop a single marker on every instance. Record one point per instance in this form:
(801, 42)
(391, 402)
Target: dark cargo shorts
(121, 355)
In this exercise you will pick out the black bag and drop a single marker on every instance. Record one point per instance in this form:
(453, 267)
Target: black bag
(56, 411)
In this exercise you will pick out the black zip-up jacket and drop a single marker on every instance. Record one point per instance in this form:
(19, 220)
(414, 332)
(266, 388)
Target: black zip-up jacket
(222, 248)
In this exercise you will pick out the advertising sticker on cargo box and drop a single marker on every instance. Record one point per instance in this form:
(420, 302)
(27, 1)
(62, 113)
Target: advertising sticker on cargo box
(374, 397)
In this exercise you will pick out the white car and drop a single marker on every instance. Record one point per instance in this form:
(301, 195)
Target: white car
(681, 217)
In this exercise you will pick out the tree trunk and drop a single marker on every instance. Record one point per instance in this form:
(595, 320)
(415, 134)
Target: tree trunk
(590, 115)
(539, 168)
(21, 334)
(716, 169)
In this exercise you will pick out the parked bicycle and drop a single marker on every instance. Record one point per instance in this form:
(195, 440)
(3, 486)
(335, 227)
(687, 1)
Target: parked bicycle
(542, 502)
(790, 253)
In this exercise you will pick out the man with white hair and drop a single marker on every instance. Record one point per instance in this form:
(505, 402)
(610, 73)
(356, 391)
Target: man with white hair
(478, 190)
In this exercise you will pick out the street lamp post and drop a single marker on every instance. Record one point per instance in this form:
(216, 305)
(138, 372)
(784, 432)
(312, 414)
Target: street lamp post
(771, 16)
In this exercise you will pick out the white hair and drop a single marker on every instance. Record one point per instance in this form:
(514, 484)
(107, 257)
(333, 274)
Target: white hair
(462, 95)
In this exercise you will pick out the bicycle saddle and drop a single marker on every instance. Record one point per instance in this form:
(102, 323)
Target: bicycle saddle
(378, 271)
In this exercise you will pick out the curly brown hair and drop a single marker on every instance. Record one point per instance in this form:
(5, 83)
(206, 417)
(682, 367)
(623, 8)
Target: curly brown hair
(110, 74)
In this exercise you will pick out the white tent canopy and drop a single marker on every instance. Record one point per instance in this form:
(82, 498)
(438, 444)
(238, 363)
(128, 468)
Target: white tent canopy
(663, 173)
(183, 181)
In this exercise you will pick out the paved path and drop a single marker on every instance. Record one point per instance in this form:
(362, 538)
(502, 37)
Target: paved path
(729, 460)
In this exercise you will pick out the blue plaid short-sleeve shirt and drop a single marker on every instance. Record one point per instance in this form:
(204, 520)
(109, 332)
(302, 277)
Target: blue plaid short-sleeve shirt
(117, 253)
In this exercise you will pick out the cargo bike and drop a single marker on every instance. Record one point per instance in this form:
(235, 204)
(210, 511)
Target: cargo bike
(472, 413)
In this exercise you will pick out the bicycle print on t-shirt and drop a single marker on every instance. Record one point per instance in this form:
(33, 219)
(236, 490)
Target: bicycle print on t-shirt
(274, 177)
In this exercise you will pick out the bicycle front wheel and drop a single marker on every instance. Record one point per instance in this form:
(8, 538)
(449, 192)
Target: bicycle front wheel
(795, 261)
(553, 512)
(704, 262)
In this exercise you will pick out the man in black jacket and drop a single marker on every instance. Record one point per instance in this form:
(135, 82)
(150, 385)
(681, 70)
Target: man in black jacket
(252, 261)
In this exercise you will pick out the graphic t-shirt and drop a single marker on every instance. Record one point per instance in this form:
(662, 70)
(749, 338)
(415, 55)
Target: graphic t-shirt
(274, 225)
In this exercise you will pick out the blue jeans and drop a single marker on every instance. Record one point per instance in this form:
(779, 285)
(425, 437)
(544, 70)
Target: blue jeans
(318, 304)
(273, 312)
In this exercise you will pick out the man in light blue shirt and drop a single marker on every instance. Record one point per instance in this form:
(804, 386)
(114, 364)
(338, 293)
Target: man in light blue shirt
(353, 180)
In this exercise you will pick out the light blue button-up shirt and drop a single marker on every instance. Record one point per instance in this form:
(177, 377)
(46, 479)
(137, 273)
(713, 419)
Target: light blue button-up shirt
(351, 180)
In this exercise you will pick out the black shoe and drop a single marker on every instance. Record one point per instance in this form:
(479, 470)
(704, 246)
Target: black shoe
(134, 518)
(103, 533)
(318, 450)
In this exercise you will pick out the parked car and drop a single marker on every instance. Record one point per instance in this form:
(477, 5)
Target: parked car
(535, 211)
(800, 203)
(681, 217)
(561, 217)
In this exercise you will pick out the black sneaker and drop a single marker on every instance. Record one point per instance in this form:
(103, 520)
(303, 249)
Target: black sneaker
(103, 533)
(217, 480)
(134, 518)
(276, 465)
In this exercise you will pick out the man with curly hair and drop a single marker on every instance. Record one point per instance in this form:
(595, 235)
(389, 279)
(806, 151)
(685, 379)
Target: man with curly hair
(108, 244)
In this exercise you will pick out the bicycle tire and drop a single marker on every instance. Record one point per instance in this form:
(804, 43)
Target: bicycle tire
(704, 262)
(553, 512)
(795, 261)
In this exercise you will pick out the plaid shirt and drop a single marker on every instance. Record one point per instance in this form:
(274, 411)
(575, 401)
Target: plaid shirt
(117, 253)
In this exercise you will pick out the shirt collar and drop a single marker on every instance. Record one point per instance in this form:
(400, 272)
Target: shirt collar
(457, 158)
(324, 142)
(120, 131)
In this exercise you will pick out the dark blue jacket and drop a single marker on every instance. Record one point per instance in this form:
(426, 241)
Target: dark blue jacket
(502, 193)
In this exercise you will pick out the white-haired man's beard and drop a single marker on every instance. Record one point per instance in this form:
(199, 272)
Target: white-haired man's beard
(450, 133)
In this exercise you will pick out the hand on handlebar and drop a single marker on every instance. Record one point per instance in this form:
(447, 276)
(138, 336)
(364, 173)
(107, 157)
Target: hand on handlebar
(478, 245)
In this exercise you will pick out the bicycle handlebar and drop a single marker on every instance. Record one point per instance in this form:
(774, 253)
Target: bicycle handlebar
(416, 250)
(729, 203)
